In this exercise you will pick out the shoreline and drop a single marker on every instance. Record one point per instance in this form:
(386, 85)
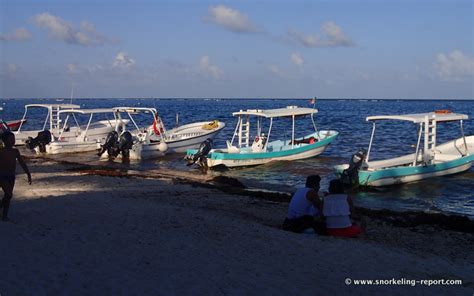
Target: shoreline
(232, 185)
(78, 232)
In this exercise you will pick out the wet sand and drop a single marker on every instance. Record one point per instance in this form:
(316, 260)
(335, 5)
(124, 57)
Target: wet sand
(81, 231)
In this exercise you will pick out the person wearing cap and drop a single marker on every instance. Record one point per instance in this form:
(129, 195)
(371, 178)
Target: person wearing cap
(305, 207)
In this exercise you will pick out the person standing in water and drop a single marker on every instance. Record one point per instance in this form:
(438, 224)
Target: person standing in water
(8, 158)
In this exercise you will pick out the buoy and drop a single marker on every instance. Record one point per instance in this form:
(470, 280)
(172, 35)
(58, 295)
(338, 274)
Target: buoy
(162, 147)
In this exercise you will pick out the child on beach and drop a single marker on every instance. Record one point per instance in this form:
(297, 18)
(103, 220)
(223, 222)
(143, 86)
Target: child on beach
(8, 158)
(337, 208)
(305, 206)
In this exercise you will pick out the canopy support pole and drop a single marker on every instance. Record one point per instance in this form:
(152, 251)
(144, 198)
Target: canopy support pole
(23, 119)
(293, 132)
(235, 131)
(464, 138)
(269, 132)
(418, 144)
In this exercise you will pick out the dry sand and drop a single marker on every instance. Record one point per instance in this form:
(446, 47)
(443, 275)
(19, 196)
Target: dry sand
(77, 234)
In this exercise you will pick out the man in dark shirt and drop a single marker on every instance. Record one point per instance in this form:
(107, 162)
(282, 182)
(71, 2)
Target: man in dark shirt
(8, 158)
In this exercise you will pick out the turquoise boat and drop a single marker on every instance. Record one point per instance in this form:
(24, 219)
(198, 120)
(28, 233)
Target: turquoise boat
(247, 149)
(428, 160)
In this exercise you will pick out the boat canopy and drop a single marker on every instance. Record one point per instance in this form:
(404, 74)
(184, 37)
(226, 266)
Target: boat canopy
(282, 112)
(420, 117)
(87, 111)
(134, 109)
(58, 106)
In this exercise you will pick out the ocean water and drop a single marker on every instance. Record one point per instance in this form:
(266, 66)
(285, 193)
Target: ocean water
(452, 194)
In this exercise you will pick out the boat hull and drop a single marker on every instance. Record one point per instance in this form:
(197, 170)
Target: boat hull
(146, 151)
(141, 151)
(406, 174)
(70, 147)
(189, 136)
(401, 176)
(222, 158)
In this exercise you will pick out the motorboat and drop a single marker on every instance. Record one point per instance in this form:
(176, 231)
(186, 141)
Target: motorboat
(189, 136)
(183, 137)
(428, 160)
(51, 122)
(246, 149)
(151, 141)
(141, 144)
(72, 137)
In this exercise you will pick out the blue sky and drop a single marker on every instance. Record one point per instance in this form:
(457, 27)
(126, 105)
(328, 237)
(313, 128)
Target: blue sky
(237, 49)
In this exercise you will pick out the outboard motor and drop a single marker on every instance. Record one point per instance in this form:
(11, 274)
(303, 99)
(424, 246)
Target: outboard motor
(42, 139)
(201, 154)
(351, 174)
(125, 144)
(110, 145)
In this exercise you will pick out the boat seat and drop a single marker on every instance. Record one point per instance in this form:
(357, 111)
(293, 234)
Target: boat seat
(231, 148)
(393, 162)
(445, 157)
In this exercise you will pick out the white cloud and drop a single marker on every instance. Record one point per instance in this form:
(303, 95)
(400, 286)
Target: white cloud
(123, 60)
(297, 59)
(230, 19)
(60, 29)
(75, 69)
(455, 66)
(207, 68)
(8, 70)
(72, 68)
(19, 34)
(12, 68)
(332, 36)
(275, 70)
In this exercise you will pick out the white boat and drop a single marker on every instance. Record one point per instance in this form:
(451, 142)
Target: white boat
(143, 146)
(428, 160)
(189, 136)
(245, 150)
(51, 122)
(184, 137)
(77, 138)
(155, 140)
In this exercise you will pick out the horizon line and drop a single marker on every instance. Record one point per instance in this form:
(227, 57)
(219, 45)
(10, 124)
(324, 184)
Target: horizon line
(243, 98)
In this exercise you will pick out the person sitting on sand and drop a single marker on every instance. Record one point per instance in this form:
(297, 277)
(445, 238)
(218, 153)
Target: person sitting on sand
(8, 158)
(337, 208)
(304, 206)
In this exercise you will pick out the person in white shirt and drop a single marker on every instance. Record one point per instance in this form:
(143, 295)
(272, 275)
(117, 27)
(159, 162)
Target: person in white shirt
(304, 206)
(337, 208)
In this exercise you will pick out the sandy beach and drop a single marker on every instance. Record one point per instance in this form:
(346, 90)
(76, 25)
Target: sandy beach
(76, 232)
